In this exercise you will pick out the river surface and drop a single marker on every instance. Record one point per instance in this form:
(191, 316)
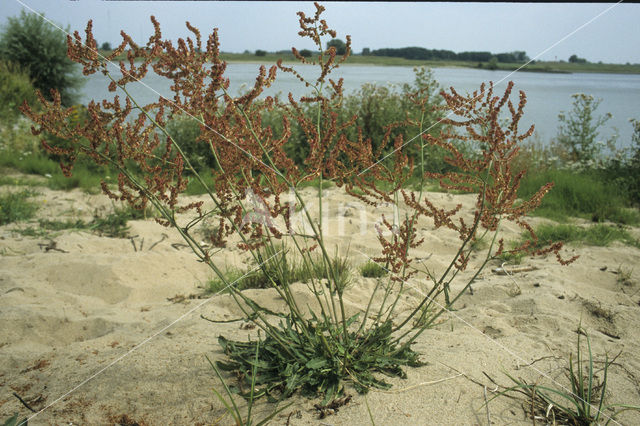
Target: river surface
(547, 94)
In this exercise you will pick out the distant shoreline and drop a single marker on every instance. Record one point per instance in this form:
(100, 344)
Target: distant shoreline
(541, 67)
(545, 67)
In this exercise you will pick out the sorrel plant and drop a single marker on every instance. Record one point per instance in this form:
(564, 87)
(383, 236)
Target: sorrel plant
(313, 349)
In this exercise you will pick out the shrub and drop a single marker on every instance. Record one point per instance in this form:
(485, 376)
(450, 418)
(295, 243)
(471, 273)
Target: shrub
(493, 63)
(23, 154)
(581, 194)
(314, 349)
(186, 132)
(200, 186)
(17, 142)
(623, 168)
(379, 109)
(33, 44)
(632, 175)
(579, 129)
(15, 88)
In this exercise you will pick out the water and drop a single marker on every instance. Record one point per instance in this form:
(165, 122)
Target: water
(547, 94)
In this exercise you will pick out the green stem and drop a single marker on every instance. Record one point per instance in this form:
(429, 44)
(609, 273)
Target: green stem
(194, 245)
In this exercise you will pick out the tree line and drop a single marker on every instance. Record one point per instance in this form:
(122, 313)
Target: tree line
(422, 53)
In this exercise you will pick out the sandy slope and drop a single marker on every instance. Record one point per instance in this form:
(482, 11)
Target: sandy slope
(74, 314)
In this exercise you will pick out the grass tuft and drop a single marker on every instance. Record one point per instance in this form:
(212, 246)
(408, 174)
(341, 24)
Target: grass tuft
(595, 235)
(372, 270)
(239, 279)
(583, 404)
(45, 226)
(15, 206)
(624, 276)
(279, 270)
(113, 225)
(341, 267)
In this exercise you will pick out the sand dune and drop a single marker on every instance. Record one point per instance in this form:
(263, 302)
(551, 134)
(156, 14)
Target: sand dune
(74, 307)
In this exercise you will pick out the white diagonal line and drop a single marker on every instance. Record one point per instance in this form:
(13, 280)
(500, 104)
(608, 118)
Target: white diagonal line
(277, 172)
(495, 342)
(137, 346)
(499, 81)
(158, 93)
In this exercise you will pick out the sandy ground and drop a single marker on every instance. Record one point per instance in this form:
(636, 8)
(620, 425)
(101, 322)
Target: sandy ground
(92, 331)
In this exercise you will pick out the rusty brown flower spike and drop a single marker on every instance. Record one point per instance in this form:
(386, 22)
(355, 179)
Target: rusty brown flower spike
(232, 128)
(251, 160)
(488, 172)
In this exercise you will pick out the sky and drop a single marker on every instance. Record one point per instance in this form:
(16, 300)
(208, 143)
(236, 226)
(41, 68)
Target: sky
(543, 30)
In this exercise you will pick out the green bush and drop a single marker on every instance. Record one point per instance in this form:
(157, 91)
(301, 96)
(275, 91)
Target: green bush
(31, 160)
(35, 45)
(22, 151)
(28, 162)
(634, 172)
(493, 63)
(579, 129)
(17, 141)
(579, 194)
(606, 187)
(625, 172)
(376, 108)
(15, 88)
(195, 187)
(185, 131)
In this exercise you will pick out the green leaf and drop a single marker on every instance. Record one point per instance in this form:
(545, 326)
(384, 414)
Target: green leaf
(13, 421)
(316, 363)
